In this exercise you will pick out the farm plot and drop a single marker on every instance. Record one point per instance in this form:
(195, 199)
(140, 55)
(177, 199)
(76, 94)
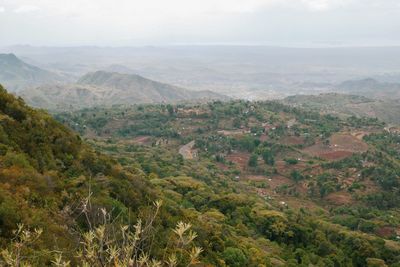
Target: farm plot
(240, 159)
(142, 140)
(339, 198)
(340, 146)
(292, 140)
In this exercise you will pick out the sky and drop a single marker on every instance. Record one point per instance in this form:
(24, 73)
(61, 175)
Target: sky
(305, 23)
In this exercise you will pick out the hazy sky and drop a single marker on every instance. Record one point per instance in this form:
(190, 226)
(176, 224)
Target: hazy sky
(155, 22)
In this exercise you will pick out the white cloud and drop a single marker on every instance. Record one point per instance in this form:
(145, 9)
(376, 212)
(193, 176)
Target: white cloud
(150, 10)
(2, 9)
(201, 20)
(324, 5)
(26, 9)
(318, 4)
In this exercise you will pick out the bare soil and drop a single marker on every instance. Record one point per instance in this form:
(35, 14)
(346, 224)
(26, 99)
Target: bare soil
(341, 145)
(241, 159)
(339, 198)
(292, 140)
(187, 151)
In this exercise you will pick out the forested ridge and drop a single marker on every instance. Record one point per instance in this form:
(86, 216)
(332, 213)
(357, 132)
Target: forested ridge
(53, 179)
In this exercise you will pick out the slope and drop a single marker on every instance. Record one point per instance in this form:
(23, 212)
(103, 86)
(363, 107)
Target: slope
(349, 105)
(371, 88)
(46, 172)
(17, 75)
(267, 181)
(137, 89)
(106, 89)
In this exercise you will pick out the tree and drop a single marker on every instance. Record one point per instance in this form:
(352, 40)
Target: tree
(234, 257)
(296, 176)
(253, 160)
(171, 110)
(268, 157)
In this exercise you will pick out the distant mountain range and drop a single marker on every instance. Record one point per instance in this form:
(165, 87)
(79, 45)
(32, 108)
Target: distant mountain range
(371, 88)
(16, 75)
(45, 89)
(119, 84)
(103, 88)
(347, 105)
(120, 69)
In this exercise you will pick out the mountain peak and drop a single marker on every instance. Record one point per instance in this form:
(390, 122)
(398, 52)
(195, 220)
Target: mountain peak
(10, 60)
(15, 74)
(9, 56)
(102, 88)
(101, 77)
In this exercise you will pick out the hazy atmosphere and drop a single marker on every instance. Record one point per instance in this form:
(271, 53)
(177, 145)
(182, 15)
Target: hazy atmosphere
(158, 22)
(182, 133)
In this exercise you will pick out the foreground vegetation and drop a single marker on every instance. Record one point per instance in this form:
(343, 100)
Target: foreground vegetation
(263, 185)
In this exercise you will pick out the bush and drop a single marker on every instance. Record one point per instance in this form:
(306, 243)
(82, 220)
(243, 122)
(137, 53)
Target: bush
(234, 257)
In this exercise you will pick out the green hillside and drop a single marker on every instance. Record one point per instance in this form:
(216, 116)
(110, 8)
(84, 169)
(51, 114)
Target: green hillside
(46, 172)
(262, 184)
(288, 185)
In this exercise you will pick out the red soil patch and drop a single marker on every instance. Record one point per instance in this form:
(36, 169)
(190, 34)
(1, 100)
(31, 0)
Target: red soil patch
(385, 232)
(263, 137)
(241, 159)
(285, 168)
(359, 135)
(335, 155)
(370, 187)
(302, 187)
(317, 149)
(315, 170)
(347, 142)
(222, 166)
(339, 198)
(341, 146)
(272, 182)
(292, 140)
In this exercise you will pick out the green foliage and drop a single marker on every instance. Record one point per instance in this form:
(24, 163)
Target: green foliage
(46, 171)
(253, 160)
(268, 157)
(296, 176)
(291, 161)
(235, 257)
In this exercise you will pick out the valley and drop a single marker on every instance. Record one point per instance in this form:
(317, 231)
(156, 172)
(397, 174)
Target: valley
(284, 161)
(213, 133)
(310, 178)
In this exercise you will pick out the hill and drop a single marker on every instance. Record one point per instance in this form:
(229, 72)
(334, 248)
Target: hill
(109, 88)
(261, 72)
(260, 183)
(371, 88)
(119, 69)
(349, 105)
(46, 172)
(285, 184)
(137, 89)
(17, 75)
